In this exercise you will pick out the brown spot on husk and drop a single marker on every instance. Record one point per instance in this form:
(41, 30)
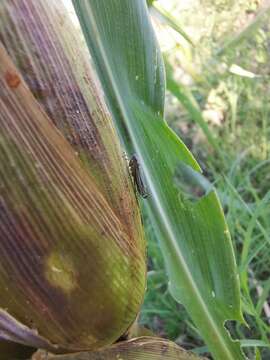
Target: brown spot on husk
(12, 79)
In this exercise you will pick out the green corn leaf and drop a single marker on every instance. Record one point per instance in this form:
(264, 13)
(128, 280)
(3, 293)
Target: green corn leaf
(192, 231)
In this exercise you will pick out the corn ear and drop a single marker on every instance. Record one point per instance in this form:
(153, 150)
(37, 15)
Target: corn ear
(72, 262)
(51, 54)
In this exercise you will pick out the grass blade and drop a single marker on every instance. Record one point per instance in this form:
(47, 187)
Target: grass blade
(190, 104)
(168, 19)
(247, 31)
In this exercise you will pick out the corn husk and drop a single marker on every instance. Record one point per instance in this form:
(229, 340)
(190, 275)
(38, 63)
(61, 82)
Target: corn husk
(143, 348)
(52, 57)
(72, 253)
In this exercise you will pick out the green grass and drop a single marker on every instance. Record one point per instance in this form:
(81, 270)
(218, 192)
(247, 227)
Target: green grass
(241, 173)
(161, 313)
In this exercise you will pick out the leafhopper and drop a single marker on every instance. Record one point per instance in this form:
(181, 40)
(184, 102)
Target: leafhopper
(137, 176)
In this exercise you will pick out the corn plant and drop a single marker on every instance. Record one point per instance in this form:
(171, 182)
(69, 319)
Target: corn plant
(72, 259)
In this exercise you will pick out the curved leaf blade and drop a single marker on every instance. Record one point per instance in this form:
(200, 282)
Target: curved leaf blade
(194, 236)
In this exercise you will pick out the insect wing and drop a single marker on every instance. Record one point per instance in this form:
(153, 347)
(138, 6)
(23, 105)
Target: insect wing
(137, 176)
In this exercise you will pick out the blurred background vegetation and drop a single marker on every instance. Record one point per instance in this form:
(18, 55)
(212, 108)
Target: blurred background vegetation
(217, 55)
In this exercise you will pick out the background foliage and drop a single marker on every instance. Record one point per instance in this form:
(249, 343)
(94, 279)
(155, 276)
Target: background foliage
(227, 74)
